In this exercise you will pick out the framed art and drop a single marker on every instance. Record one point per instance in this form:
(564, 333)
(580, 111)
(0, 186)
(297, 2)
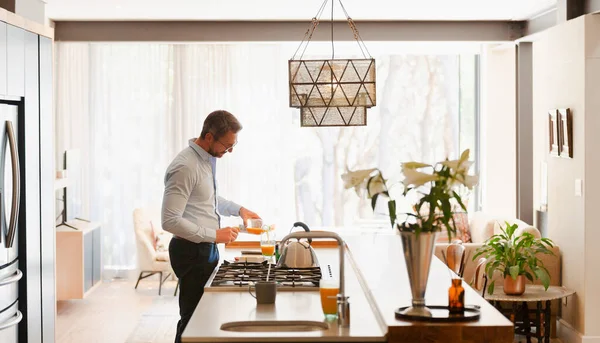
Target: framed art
(565, 133)
(553, 138)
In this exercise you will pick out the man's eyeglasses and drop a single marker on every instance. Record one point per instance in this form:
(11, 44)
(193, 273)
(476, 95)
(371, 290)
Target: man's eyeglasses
(227, 149)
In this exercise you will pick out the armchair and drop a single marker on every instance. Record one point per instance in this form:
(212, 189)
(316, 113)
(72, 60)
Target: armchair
(151, 260)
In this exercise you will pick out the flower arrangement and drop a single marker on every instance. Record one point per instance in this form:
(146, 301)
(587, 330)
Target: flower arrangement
(436, 186)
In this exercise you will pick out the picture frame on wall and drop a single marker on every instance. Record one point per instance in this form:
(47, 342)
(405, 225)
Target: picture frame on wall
(565, 132)
(553, 138)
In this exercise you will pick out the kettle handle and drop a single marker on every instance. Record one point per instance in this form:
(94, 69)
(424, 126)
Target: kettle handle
(304, 226)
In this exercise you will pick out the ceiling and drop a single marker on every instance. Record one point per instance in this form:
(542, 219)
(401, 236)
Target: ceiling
(295, 10)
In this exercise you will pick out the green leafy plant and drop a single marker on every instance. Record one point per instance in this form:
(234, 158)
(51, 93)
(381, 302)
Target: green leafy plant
(436, 186)
(514, 255)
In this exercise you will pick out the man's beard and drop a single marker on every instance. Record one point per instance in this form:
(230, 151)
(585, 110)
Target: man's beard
(211, 151)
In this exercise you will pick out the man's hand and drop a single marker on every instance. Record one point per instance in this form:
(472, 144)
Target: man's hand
(227, 234)
(246, 214)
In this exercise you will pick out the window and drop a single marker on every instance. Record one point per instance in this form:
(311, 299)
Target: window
(131, 107)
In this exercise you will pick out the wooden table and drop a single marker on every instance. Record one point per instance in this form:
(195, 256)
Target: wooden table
(519, 313)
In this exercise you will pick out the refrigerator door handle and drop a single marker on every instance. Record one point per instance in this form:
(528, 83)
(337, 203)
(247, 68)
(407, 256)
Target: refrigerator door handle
(16, 187)
(12, 322)
(13, 278)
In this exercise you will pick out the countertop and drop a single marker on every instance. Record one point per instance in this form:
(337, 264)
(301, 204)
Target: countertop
(380, 262)
(377, 283)
(217, 308)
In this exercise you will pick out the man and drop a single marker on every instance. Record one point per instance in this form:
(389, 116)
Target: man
(191, 210)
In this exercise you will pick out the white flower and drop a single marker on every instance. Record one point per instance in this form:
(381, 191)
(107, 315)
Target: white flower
(416, 178)
(458, 166)
(468, 180)
(356, 178)
(376, 185)
(414, 165)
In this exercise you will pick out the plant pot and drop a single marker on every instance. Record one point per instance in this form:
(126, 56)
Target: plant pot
(418, 253)
(514, 287)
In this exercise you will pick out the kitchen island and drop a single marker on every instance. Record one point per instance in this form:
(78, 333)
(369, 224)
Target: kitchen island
(377, 284)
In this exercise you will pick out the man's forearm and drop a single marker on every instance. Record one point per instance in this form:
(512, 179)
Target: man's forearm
(227, 207)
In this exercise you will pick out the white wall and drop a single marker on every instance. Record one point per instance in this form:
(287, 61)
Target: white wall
(498, 130)
(31, 9)
(592, 174)
(558, 81)
(566, 73)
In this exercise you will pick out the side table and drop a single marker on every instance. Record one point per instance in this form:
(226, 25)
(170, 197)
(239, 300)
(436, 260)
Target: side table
(520, 315)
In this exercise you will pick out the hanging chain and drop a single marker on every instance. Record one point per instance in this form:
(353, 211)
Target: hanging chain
(315, 22)
(357, 37)
(311, 29)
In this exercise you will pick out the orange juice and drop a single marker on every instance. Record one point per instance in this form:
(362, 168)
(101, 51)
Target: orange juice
(329, 304)
(267, 250)
(254, 230)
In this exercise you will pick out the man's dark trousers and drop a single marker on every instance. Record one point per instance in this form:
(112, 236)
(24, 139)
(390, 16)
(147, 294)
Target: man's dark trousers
(193, 263)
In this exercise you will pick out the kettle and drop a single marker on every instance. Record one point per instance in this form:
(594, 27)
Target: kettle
(298, 254)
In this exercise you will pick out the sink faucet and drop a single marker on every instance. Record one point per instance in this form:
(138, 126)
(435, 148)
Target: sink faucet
(342, 299)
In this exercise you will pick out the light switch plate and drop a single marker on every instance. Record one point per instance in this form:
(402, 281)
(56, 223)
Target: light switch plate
(578, 187)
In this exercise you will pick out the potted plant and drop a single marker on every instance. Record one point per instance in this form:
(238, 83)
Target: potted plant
(436, 187)
(515, 256)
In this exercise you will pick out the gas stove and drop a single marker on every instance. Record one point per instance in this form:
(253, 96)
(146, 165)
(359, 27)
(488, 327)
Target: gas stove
(236, 276)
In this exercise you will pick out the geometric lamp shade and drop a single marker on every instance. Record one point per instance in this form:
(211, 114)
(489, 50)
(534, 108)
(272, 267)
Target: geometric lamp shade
(334, 92)
(333, 116)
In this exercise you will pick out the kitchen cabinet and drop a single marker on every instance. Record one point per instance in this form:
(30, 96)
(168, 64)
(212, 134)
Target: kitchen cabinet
(3, 69)
(15, 61)
(48, 237)
(78, 259)
(29, 137)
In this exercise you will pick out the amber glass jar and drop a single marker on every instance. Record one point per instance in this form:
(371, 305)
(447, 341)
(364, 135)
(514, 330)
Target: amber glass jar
(456, 297)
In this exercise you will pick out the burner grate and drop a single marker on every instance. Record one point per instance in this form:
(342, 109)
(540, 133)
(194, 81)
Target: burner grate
(243, 273)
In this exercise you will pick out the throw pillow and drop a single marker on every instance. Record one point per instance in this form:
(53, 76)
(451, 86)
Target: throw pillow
(481, 227)
(153, 237)
(162, 256)
(162, 241)
(529, 229)
(461, 221)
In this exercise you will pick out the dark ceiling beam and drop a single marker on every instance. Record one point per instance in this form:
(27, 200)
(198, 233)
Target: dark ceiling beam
(225, 31)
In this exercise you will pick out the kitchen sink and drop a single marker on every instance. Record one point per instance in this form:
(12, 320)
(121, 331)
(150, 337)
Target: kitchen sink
(275, 326)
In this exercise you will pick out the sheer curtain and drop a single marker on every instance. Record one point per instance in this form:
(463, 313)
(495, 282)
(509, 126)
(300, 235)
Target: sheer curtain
(111, 104)
(131, 107)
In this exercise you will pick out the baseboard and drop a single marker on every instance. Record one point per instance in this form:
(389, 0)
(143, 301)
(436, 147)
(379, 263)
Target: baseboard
(568, 334)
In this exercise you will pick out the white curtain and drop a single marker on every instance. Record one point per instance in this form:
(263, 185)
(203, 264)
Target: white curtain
(131, 107)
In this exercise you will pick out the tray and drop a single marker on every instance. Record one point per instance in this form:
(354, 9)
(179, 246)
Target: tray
(441, 314)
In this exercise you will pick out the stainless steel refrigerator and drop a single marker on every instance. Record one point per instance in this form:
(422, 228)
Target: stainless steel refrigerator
(27, 233)
(10, 200)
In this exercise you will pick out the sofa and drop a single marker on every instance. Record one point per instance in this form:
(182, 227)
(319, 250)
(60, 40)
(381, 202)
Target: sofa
(482, 226)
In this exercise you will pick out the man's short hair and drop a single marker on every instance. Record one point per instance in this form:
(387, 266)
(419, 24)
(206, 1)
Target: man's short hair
(218, 123)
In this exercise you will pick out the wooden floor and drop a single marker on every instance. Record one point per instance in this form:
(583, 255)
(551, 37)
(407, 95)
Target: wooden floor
(116, 312)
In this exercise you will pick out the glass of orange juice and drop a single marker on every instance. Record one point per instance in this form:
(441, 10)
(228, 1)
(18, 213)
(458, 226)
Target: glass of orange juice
(254, 226)
(329, 289)
(267, 244)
